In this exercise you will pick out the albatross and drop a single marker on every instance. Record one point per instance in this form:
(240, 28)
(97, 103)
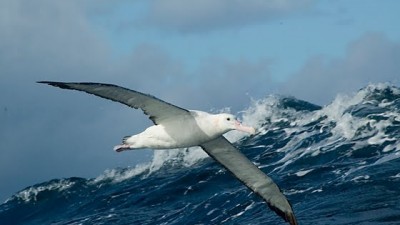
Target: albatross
(176, 127)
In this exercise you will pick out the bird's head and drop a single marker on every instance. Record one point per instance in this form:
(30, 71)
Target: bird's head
(229, 122)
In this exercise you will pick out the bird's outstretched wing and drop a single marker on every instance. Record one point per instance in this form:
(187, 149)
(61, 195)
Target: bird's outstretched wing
(243, 169)
(157, 110)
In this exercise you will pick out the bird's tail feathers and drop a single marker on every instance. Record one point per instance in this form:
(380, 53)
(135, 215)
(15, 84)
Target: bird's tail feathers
(124, 139)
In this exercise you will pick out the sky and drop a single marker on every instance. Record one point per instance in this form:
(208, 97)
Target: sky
(197, 54)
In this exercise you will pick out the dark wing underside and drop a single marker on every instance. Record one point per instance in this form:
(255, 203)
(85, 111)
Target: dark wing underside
(243, 169)
(156, 109)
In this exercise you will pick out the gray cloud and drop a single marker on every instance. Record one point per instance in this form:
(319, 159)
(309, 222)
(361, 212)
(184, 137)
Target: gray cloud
(370, 59)
(204, 15)
(232, 82)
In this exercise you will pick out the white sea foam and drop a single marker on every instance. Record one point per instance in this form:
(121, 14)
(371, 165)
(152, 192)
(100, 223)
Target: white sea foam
(243, 211)
(362, 165)
(303, 172)
(361, 178)
(118, 175)
(386, 158)
(294, 191)
(183, 157)
(343, 126)
(396, 176)
(31, 193)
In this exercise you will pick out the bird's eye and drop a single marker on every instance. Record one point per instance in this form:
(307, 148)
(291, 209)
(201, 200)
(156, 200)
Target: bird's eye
(229, 119)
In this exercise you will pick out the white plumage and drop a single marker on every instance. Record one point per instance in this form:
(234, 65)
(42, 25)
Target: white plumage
(186, 131)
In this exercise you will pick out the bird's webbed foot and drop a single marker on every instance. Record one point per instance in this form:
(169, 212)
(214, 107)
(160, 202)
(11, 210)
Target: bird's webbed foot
(120, 148)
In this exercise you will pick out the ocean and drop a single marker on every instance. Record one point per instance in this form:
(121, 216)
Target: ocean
(337, 164)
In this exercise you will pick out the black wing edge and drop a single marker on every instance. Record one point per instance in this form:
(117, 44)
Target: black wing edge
(65, 85)
(55, 84)
(287, 216)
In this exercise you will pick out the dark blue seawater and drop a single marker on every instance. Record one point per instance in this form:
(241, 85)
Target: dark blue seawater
(338, 164)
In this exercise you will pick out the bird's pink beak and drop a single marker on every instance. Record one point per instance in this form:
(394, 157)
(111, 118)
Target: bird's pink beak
(241, 127)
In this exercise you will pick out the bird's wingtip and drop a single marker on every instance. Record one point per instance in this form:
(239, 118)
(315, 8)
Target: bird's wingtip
(55, 84)
(48, 82)
(287, 215)
(291, 219)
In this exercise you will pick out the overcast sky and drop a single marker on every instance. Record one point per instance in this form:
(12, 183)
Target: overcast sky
(198, 54)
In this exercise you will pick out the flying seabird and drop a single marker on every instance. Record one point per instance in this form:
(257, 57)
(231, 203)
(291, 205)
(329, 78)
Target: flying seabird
(175, 127)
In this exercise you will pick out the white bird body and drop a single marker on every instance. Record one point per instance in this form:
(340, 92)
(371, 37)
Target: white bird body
(191, 130)
(175, 127)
